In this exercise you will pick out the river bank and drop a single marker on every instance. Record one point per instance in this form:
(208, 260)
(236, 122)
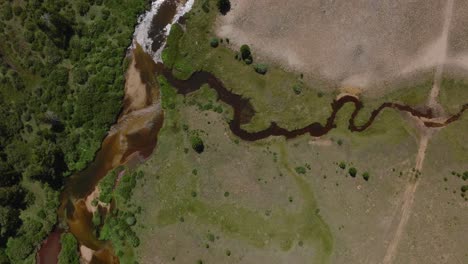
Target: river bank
(130, 140)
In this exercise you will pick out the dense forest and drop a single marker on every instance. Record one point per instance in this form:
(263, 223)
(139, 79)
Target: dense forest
(61, 85)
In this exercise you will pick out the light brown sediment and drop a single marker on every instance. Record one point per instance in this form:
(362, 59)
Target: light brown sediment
(86, 254)
(135, 90)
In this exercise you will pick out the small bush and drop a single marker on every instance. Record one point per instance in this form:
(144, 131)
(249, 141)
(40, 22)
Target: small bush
(261, 68)
(366, 176)
(342, 165)
(465, 176)
(197, 144)
(464, 188)
(352, 172)
(130, 220)
(297, 89)
(214, 42)
(245, 52)
(300, 170)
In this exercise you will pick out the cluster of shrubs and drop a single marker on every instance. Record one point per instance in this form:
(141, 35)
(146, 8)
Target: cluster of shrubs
(245, 55)
(352, 171)
(116, 226)
(118, 184)
(118, 229)
(464, 188)
(69, 250)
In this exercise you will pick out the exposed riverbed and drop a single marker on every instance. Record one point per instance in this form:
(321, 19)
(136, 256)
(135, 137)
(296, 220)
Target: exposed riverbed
(130, 141)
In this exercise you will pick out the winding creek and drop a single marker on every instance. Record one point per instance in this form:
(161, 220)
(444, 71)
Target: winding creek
(132, 139)
(243, 110)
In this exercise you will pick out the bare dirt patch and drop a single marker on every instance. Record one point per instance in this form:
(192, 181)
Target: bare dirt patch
(353, 43)
(135, 89)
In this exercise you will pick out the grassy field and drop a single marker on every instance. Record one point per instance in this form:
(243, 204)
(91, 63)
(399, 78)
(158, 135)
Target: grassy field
(436, 231)
(250, 199)
(278, 201)
(453, 94)
(233, 191)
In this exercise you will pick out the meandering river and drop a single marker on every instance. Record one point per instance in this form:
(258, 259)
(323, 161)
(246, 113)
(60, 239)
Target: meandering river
(130, 141)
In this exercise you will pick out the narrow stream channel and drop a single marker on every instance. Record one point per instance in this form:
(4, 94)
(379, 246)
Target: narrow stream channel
(243, 110)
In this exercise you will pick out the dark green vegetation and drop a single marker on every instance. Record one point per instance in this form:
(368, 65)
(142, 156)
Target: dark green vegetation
(224, 6)
(197, 143)
(342, 165)
(214, 42)
(300, 170)
(107, 184)
(297, 89)
(261, 68)
(366, 176)
(461, 181)
(352, 171)
(167, 93)
(246, 54)
(69, 251)
(118, 186)
(61, 85)
(170, 52)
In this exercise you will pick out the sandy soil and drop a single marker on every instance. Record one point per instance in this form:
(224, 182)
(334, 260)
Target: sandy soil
(86, 254)
(90, 198)
(353, 43)
(434, 95)
(135, 89)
